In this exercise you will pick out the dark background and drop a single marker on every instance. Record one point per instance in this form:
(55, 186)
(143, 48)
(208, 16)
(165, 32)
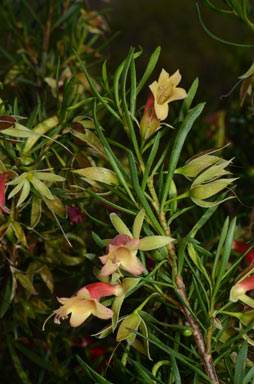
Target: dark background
(174, 25)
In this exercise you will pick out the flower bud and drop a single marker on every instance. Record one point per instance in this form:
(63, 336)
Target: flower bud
(149, 122)
(208, 184)
(198, 164)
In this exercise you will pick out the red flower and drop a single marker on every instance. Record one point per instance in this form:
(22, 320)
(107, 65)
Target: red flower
(242, 247)
(75, 214)
(2, 193)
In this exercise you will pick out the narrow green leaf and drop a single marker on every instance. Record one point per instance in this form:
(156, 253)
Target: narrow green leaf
(34, 15)
(100, 174)
(105, 104)
(150, 160)
(105, 76)
(175, 370)
(181, 135)
(240, 363)
(35, 211)
(202, 221)
(197, 261)
(99, 242)
(249, 376)
(25, 192)
(72, 10)
(16, 189)
(133, 91)
(115, 163)
(6, 296)
(150, 243)
(219, 248)
(20, 234)
(171, 352)
(119, 225)
(17, 364)
(56, 206)
(39, 130)
(141, 196)
(187, 102)
(118, 207)
(218, 10)
(144, 331)
(117, 76)
(18, 131)
(91, 139)
(33, 357)
(41, 188)
(149, 69)
(26, 282)
(18, 179)
(47, 176)
(217, 38)
(91, 373)
(144, 375)
(127, 116)
(225, 255)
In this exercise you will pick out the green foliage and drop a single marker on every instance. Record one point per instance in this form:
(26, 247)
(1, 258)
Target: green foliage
(75, 169)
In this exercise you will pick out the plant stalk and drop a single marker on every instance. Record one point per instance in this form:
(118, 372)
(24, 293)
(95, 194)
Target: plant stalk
(197, 334)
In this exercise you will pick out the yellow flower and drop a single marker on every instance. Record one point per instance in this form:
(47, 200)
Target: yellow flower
(86, 303)
(165, 91)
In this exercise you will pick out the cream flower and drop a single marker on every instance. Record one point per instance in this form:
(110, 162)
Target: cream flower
(122, 250)
(165, 91)
(86, 303)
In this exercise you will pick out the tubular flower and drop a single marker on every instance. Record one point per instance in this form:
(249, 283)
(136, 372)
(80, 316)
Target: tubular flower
(238, 291)
(242, 247)
(165, 91)
(122, 250)
(149, 122)
(86, 302)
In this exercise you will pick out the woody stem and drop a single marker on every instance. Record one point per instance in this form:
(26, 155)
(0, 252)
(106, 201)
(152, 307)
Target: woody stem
(181, 290)
(180, 287)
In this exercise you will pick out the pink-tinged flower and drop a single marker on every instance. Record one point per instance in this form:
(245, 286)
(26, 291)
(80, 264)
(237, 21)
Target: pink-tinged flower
(242, 247)
(149, 122)
(165, 91)
(75, 214)
(122, 249)
(149, 107)
(238, 291)
(85, 303)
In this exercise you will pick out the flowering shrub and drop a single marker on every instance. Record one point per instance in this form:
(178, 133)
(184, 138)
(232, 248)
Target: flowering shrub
(104, 192)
